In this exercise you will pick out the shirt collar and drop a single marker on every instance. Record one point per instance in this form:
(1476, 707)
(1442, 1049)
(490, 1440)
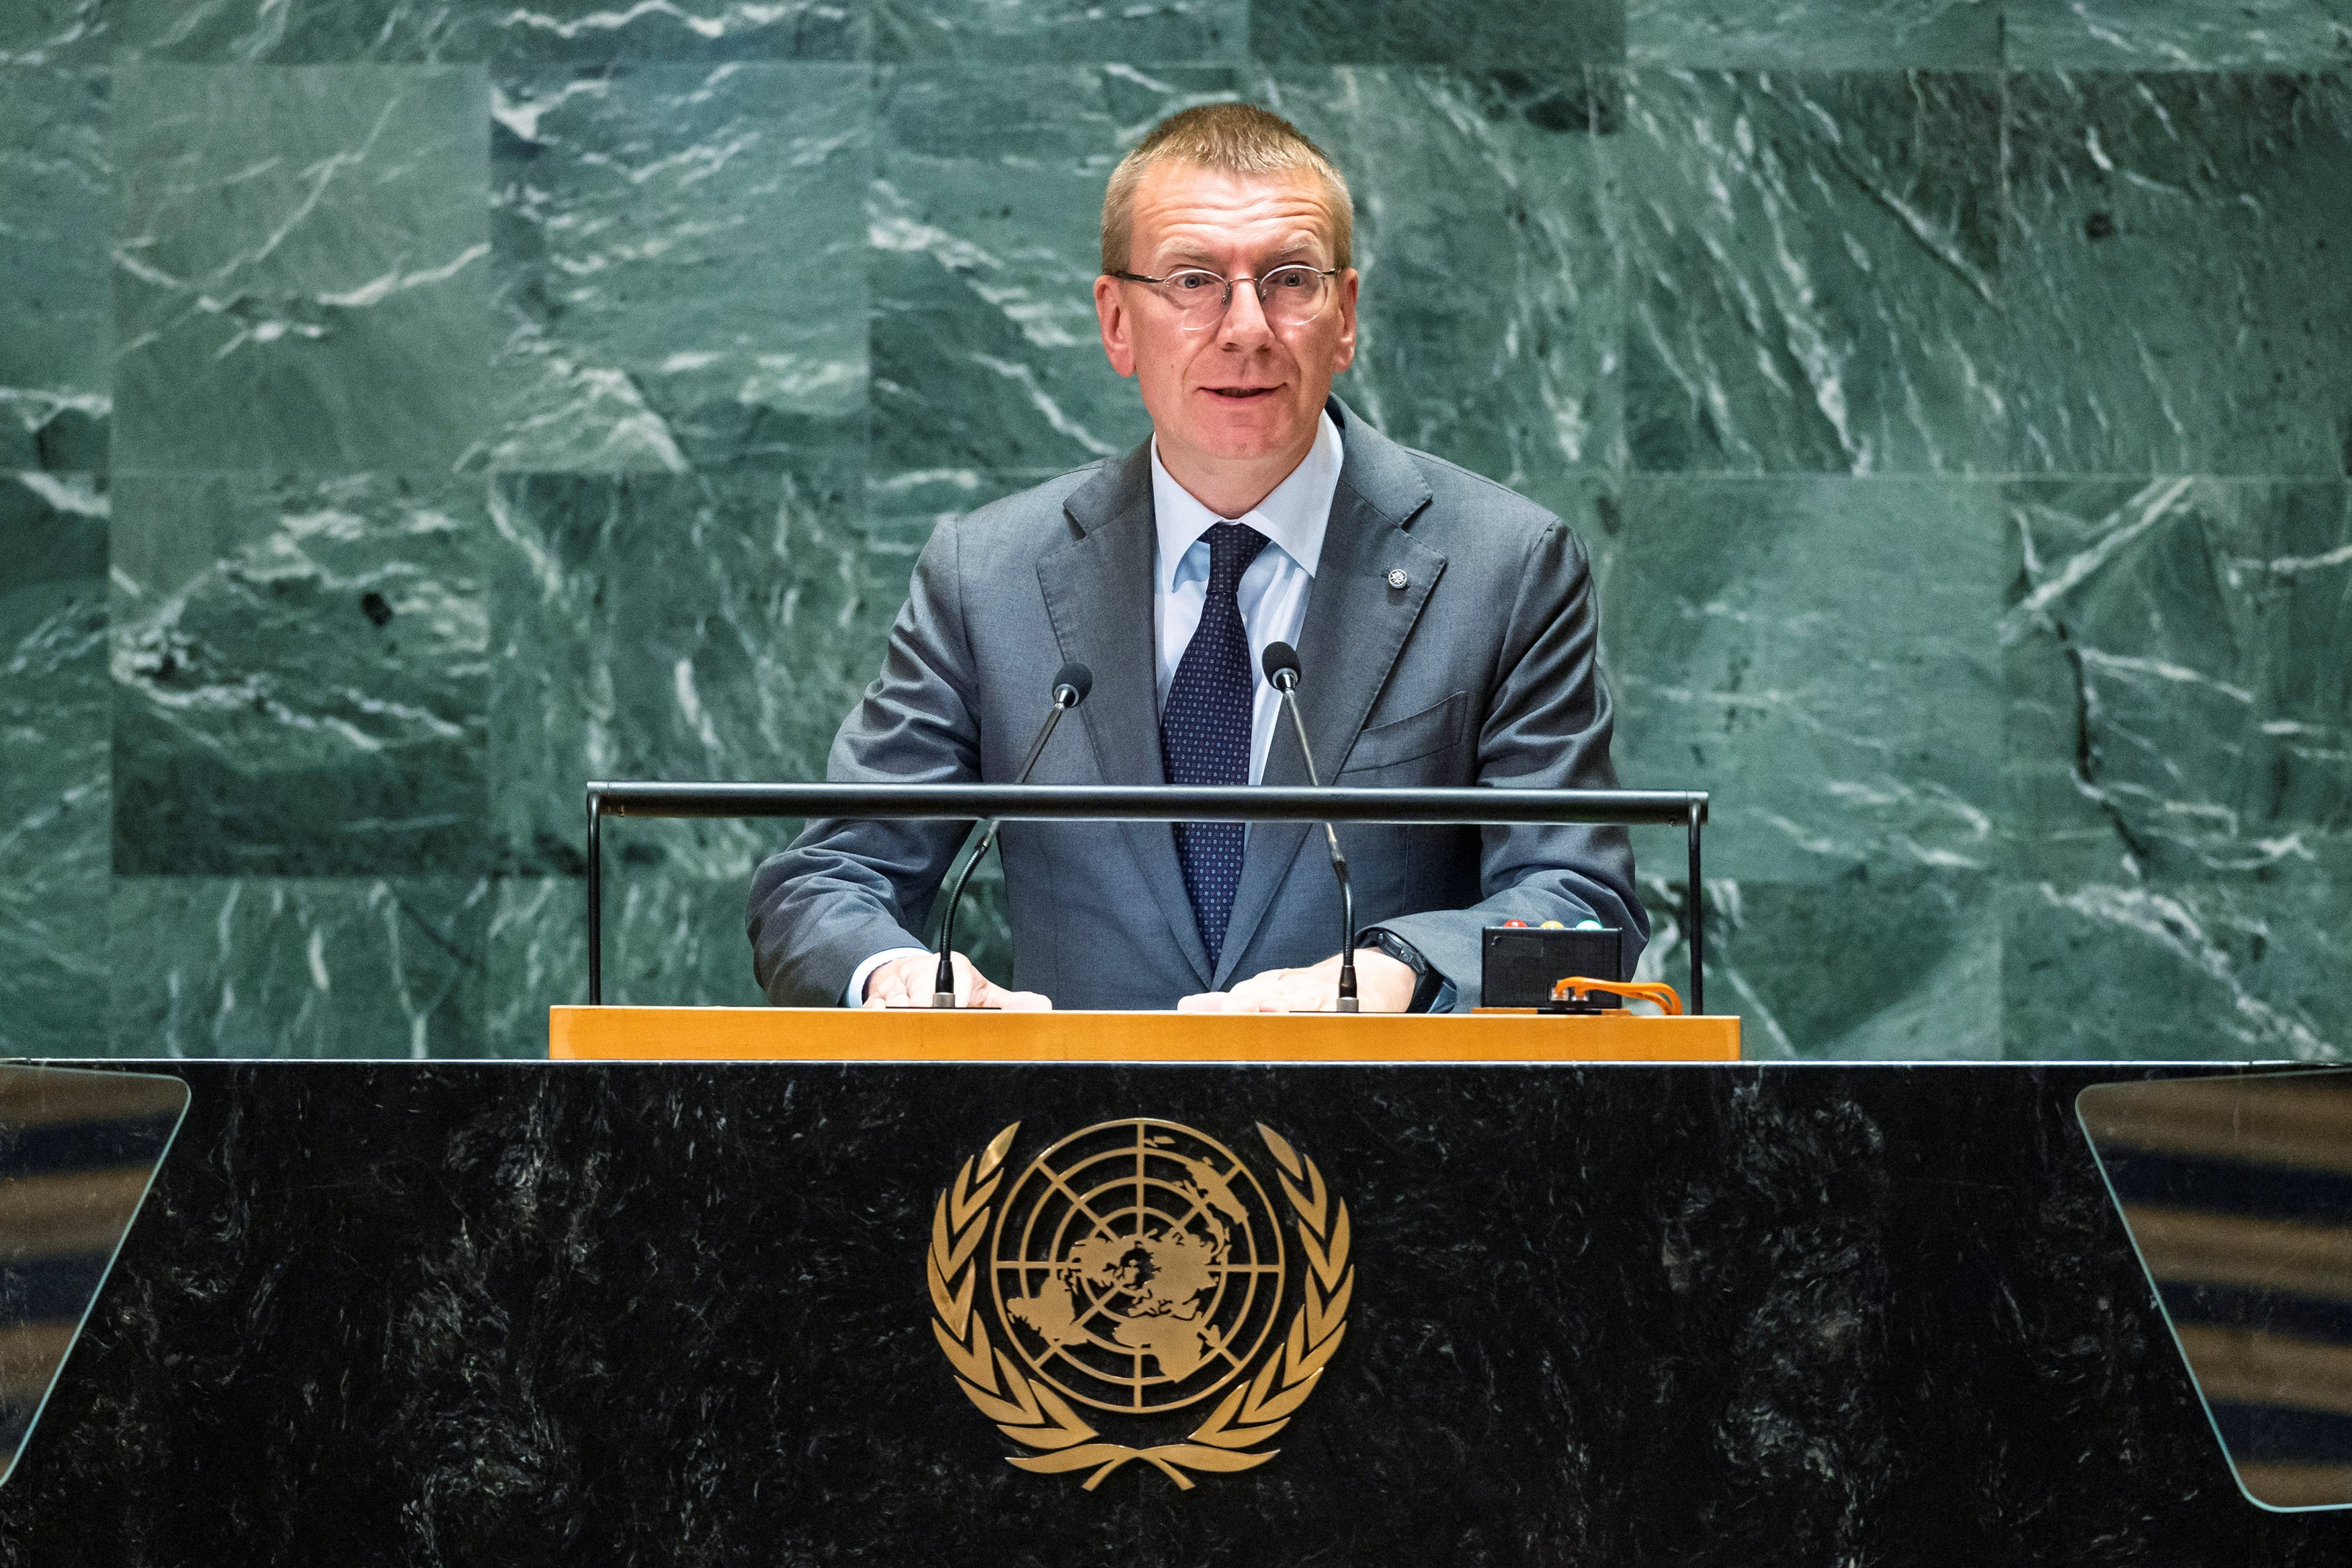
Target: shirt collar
(1294, 516)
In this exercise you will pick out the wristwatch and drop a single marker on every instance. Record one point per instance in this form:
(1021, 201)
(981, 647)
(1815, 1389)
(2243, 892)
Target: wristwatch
(1427, 982)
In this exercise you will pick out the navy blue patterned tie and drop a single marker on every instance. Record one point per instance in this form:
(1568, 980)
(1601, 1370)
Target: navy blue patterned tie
(1205, 730)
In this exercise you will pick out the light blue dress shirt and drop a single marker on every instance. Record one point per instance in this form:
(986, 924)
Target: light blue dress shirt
(1272, 593)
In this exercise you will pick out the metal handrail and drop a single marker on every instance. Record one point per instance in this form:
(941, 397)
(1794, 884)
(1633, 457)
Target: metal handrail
(1149, 803)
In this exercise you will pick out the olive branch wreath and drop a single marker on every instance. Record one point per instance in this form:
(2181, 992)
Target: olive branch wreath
(1028, 1411)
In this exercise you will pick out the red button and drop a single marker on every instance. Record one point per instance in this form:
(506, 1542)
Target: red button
(1515, 925)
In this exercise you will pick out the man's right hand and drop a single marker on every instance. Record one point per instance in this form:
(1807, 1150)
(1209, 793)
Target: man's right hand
(906, 983)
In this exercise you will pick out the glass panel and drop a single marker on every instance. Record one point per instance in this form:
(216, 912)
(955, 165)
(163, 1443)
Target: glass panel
(2237, 1194)
(78, 1150)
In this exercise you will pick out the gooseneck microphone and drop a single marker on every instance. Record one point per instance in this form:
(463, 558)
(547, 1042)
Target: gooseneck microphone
(1281, 664)
(1072, 681)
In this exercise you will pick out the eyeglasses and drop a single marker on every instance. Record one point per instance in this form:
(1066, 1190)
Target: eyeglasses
(1288, 296)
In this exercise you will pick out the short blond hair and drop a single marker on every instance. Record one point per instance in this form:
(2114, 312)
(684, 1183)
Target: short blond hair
(1233, 139)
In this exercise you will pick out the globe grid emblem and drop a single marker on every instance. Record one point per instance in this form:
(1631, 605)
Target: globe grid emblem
(1137, 1265)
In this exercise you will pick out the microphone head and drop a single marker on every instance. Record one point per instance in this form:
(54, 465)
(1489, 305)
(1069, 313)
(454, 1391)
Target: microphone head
(1280, 659)
(1076, 679)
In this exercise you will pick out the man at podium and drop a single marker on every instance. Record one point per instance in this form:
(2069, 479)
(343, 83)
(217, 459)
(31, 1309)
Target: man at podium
(1444, 628)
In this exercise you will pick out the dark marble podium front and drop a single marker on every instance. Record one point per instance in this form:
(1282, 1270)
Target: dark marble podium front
(587, 1314)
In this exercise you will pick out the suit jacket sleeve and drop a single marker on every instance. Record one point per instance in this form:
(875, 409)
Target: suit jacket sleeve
(1547, 726)
(848, 889)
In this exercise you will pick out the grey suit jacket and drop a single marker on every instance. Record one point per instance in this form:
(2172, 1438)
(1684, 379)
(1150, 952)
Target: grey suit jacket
(1481, 670)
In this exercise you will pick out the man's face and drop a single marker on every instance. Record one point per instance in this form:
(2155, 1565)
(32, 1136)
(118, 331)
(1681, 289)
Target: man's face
(1243, 391)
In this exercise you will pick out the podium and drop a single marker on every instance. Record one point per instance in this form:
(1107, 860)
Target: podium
(983, 1035)
(746, 1286)
(541, 1314)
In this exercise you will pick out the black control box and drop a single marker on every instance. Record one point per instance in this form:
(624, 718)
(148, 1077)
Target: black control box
(1519, 964)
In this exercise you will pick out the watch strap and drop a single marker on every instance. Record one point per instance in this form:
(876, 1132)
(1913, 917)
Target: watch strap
(1427, 981)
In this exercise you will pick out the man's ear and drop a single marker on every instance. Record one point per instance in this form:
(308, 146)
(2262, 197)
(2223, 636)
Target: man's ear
(1110, 310)
(1343, 354)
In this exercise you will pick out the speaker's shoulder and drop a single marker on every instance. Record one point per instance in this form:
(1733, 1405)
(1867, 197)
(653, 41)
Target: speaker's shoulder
(1037, 509)
(1012, 525)
(987, 530)
(1469, 512)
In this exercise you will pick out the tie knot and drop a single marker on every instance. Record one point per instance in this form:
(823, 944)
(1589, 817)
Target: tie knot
(1232, 548)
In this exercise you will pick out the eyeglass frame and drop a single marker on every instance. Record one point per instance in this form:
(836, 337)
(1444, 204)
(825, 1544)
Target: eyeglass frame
(1256, 283)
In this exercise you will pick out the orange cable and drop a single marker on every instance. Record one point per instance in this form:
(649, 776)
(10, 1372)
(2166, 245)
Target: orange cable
(1576, 987)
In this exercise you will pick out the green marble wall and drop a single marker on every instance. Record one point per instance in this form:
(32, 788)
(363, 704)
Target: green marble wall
(410, 409)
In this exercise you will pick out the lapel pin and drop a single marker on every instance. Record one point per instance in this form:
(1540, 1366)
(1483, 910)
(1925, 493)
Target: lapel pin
(1397, 578)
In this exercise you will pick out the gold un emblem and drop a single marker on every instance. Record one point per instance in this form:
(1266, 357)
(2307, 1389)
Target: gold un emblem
(1137, 1270)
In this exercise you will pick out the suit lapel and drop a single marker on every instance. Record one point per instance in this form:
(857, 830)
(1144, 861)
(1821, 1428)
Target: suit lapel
(1356, 626)
(1097, 591)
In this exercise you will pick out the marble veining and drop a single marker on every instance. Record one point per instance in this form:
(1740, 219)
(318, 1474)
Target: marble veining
(678, 260)
(983, 224)
(667, 934)
(1903, 965)
(301, 266)
(300, 675)
(56, 390)
(1816, 35)
(2174, 36)
(1844, 702)
(2177, 763)
(272, 967)
(53, 32)
(1484, 253)
(1543, 34)
(1025, 31)
(53, 709)
(443, 402)
(293, 32)
(679, 29)
(1815, 267)
(2131, 195)
(55, 784)
(2183, 967)
(2166, 716)
(699, 626)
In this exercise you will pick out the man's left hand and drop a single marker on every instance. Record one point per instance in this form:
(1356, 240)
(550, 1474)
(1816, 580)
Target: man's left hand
(1382, 985)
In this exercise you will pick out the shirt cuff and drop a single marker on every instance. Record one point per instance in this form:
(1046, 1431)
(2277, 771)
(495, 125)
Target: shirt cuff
(856, 995)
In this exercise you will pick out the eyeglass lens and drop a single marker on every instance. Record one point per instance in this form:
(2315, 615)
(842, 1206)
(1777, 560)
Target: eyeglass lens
(1290, 295)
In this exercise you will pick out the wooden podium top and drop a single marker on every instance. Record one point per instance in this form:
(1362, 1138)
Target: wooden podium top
(844, 1034)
